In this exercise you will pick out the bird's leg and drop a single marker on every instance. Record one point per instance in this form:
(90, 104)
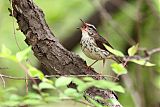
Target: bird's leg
(103, 67)
(93, 63)
(89, 67)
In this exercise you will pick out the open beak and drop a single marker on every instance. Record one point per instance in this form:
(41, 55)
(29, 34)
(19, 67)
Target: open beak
(83, 26)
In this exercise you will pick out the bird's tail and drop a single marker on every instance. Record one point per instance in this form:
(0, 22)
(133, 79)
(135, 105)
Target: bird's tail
(117, 59)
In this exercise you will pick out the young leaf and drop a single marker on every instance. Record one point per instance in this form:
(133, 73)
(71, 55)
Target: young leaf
(47, 80)
(83, 87)
(33, 72)
(78, 81)
(35, 87)
(63, 81)
(95, 103)
(118, 88)
(114, 51)
(142, 62)
(88, 79)
(72, 93)
(23, 54)
(104, 84)
(132, 50)
(45, 85)
(10, 103)
(32, 102)
(51, 99)
(118, 68)
(5, 50)
(32, 95)
(6, 53)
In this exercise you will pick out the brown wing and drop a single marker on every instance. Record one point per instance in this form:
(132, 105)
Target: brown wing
(100, 41)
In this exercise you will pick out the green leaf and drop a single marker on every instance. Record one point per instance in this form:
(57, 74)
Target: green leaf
(32, 102)
(33, 72)
(78, 81)
(114, 51)
(118, 88)
(118, 68)
(10, 103)
(5, 50)
(45, 85)
(6, 53)
(132, 50)
(63, 81)
(51, 99)
(95, 103)
(35, 87)
(72, 93)
(33, 96)
(22, 55)
(142, 62)
(104, 84)
(83, 87)
(47, 80)
(11, 89)
(99, 98)
(14, 97)
(88, 79)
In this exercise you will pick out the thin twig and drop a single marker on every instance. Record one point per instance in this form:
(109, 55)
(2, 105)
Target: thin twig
(26, 81)
(153, 51)
(27, 75)
(4, 83)
(51, 76)
(13, 24)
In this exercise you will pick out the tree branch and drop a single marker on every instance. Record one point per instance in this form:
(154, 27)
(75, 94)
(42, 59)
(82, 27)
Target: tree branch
(48, 50)
(54, 76)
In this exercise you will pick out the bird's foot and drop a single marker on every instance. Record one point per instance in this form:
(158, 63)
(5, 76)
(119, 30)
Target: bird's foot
(101, 74)
(89, 68)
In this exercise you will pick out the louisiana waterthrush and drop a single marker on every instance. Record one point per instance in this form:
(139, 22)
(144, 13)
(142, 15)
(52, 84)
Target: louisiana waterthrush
(93, 45)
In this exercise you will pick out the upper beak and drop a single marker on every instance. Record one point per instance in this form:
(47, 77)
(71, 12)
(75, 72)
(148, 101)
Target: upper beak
(84, 25)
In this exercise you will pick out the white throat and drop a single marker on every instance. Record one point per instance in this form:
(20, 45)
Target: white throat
(85, 35)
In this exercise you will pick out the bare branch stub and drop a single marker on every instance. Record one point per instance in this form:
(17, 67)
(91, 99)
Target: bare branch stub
(53, 56)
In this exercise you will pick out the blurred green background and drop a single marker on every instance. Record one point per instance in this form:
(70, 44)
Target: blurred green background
(134, 21)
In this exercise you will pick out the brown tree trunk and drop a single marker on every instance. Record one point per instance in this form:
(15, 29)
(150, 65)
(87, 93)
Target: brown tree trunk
(51, 54)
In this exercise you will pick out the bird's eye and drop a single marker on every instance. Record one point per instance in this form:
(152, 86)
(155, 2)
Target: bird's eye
(90, 29)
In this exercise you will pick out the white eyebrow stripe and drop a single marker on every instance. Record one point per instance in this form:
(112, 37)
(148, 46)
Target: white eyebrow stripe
(91, 25)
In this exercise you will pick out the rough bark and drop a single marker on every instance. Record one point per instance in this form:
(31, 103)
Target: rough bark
(51, 54)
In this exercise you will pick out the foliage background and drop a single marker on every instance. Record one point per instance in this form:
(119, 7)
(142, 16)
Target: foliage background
(63, 18)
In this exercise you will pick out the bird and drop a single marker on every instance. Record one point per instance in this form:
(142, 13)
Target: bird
(93, 44)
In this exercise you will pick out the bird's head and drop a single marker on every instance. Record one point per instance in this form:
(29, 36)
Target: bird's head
(88, 28)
